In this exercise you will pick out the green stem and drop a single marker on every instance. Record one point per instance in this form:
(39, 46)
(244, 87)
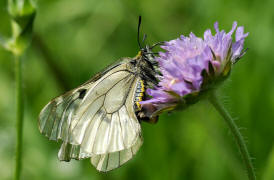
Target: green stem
(19, 117)
(236, 133)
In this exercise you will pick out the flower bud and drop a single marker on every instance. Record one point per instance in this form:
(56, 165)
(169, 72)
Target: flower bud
(22, 13)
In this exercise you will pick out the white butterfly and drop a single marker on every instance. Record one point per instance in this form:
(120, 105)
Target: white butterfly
(100, 119)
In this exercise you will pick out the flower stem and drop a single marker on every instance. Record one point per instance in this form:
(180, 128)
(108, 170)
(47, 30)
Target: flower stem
(236, 133)
(19, 117)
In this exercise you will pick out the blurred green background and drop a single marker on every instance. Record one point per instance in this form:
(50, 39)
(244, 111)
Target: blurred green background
(75, 39)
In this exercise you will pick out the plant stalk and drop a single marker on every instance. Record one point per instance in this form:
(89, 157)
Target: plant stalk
(213, 99)
(19, 117)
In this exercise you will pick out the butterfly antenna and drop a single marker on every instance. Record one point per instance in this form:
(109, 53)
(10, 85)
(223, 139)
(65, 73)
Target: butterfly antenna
(144, 38)
(138, 35)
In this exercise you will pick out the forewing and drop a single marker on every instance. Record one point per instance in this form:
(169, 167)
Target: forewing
(96, 120)
(57, 116)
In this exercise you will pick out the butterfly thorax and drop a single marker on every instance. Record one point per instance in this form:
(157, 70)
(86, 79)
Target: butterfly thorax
(146, 66)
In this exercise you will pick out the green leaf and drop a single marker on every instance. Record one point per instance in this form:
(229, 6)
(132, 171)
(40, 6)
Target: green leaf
(21, 8)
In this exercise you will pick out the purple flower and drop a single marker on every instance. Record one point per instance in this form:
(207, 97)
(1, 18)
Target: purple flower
(192, 65)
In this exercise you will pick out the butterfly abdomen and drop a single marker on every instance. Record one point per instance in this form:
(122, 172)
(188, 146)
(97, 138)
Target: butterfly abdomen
(139, 94)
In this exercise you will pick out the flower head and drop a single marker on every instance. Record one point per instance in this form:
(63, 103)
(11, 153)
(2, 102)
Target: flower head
(191, 65)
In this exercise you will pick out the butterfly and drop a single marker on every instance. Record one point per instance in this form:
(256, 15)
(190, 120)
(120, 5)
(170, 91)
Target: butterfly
(101, 119)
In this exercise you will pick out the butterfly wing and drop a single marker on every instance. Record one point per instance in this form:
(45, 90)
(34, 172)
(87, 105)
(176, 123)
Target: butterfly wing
(96, 120)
